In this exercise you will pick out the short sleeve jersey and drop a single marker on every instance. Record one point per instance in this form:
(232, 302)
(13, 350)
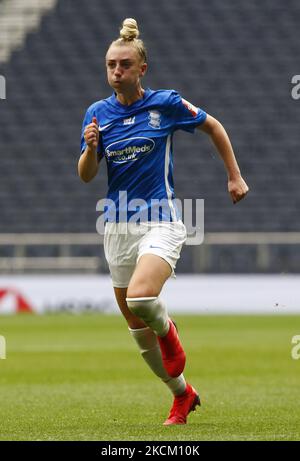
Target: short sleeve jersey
(136, 141)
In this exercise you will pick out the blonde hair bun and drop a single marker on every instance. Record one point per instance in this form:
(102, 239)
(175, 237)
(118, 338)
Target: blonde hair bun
(129, 30)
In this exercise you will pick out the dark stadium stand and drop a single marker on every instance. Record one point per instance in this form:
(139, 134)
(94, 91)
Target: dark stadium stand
(234, 59)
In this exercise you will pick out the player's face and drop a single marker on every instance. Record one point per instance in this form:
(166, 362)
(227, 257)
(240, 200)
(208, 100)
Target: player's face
(124, 68)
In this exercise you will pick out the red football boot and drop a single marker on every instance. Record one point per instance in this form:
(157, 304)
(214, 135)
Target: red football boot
(182, 406)
(172, 352)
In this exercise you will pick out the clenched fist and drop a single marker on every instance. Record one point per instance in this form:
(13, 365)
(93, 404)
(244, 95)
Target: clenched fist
(237, 188)
(91, 134)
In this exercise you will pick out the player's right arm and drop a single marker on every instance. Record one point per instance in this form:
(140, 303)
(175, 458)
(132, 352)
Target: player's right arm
(88, 164)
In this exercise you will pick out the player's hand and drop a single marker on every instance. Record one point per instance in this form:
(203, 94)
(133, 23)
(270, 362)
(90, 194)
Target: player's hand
(237, 188)
(91, 134)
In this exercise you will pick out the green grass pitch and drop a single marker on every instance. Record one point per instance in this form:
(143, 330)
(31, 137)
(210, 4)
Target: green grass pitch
(69, 377)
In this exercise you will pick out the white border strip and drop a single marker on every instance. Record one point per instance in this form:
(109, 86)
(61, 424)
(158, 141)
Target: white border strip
(188, 294)
(167, 168)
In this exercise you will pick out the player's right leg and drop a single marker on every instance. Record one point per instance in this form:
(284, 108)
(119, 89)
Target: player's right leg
(186, 397)
(148, 345)
(132, 320)
(144, 336)
(159, 250)
(143, 300)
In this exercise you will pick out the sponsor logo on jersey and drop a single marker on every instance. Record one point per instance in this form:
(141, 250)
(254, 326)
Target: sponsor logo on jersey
(154, 118)
(190, 107)
(129, 150)
(129, 121)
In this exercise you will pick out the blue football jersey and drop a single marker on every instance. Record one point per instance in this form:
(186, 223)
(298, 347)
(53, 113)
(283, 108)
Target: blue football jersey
(136, 141)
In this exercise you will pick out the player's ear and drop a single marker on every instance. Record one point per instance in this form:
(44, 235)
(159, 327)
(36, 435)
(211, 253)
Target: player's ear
(143, 69)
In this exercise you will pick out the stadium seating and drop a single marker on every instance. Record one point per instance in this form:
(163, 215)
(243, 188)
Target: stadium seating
(234, 59)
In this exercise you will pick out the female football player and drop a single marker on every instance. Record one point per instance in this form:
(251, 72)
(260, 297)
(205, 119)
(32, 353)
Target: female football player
(133, 130)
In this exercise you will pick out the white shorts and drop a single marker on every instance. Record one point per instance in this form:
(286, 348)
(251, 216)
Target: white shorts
(125, 243)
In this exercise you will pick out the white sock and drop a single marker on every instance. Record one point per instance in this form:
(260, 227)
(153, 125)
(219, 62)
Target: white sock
(152, 311)
(147, 342)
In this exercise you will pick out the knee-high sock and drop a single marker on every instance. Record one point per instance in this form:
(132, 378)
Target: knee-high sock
(152, 311)
(147, 342)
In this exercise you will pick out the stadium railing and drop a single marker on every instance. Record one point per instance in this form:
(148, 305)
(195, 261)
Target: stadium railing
(35, 253)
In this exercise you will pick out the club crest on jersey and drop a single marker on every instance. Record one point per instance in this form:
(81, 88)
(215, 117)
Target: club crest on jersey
(129, 121)
(154, 118)
(190, 107)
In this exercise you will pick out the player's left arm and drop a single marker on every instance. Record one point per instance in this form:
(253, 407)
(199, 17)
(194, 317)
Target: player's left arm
(237, 187)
